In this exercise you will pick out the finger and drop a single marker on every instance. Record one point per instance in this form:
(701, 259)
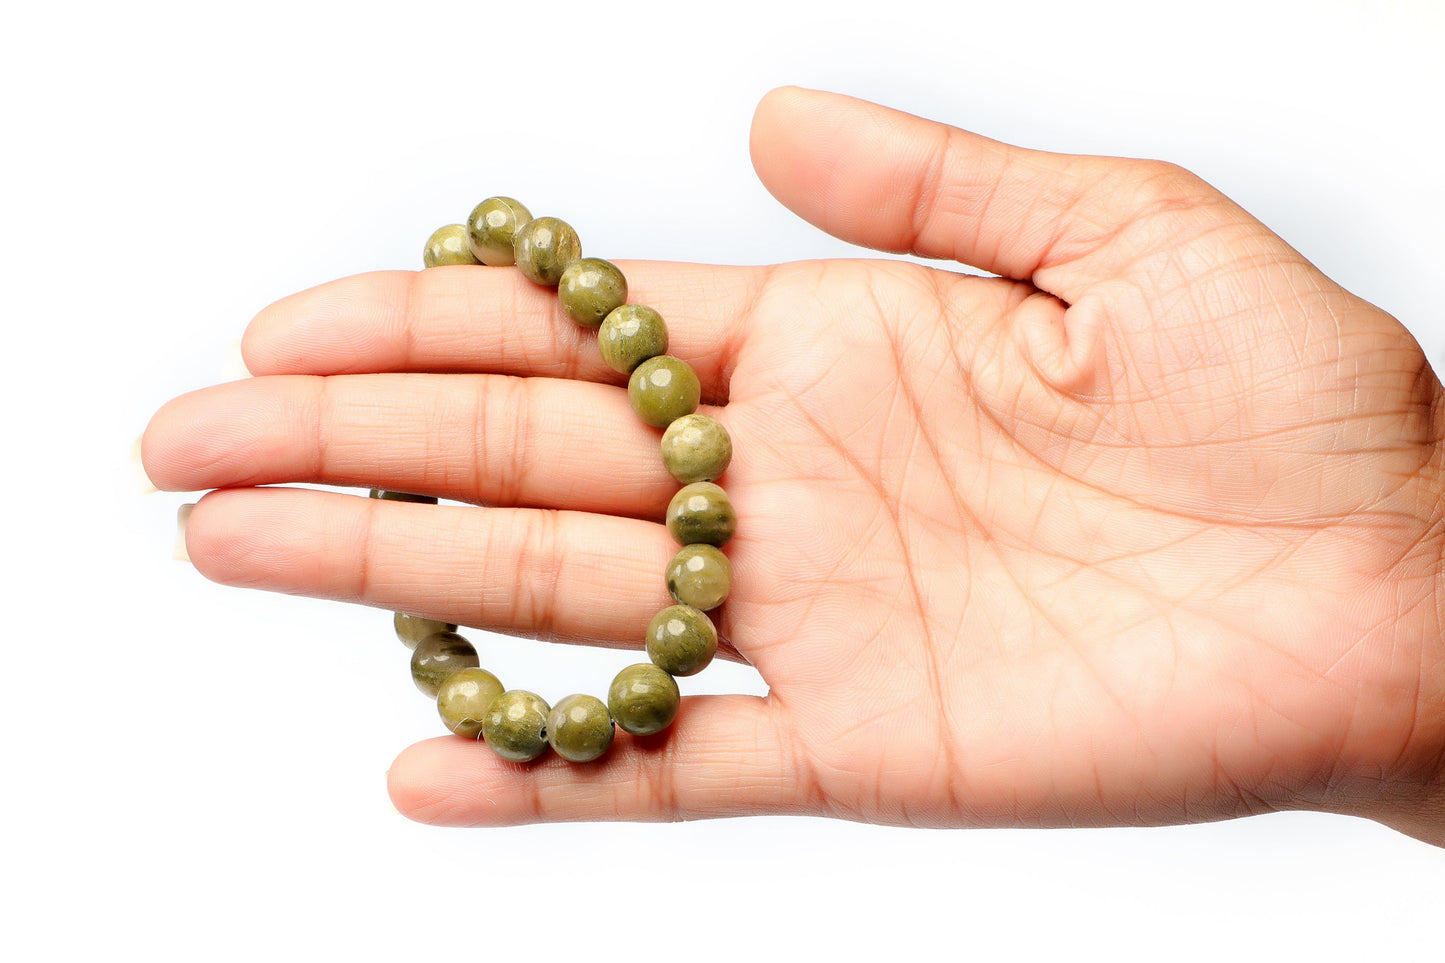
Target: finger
(561, 575)
(893, 181)
(493, 320)
(723, 756)
(489, 438)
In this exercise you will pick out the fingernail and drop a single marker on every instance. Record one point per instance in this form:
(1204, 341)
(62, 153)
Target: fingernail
(183, 515)
(233, 366)
(140, 480)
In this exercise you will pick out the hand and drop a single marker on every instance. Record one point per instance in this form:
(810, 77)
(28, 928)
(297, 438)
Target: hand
(1146, 530)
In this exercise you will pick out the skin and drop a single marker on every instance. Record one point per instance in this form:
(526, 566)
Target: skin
(1148, 529)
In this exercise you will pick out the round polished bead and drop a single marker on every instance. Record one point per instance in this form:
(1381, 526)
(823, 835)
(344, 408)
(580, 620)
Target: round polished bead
(438, 656)
(681, 640)
(463, 700)
(515, 725)
(630, 335)
(403, 497)
(579, 728)
(696, 448)
(701, 512)
(411, 629)
(544, 246)
(663, 389)
(590, 289)
(448, 245)
(643, 699)
(700, 576)
(492, 229)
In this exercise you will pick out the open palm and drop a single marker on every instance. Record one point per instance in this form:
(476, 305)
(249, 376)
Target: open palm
(1150, 534)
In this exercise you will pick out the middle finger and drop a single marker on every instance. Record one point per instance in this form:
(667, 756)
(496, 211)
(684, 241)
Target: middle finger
(494, 439)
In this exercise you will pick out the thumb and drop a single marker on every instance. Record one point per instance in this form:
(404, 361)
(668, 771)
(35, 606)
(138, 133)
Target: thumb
(896, 182)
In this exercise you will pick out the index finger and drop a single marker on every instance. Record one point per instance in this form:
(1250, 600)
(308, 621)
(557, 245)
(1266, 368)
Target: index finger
(493, 320)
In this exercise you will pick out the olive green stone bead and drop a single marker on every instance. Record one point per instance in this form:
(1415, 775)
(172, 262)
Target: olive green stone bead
(663, 389)
(579, 728)
(544, 246)
(696, 448)
(403, 497)
(448, 245)
(438, 656)
(411, 629)
(643, 699)
(700, 576)
(701, 512)
(590, 289)
(681, 640)
(463, 700)
(515, 725)
(492, 229)
(630, 335)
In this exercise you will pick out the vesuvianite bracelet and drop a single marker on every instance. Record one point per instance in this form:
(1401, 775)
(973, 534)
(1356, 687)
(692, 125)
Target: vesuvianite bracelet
(664, 391)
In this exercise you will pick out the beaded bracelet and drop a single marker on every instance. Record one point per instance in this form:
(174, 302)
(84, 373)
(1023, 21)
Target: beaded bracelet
(664, 391)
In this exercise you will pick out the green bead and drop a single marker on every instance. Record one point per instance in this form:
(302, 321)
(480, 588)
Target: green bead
(579, 728)
(681, 640)
(663, 389)
(701, 512)
(590, 289)
(463, 700)
(492, 229)
(544, 246)
(700, 576)
(411, 629)
(630, 335)
(643, 699)
(696, 448)
(448, 245)
(438, 656)
(403, 497)
(515, 725)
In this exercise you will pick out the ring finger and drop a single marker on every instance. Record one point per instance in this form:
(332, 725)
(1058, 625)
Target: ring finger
(561, 575)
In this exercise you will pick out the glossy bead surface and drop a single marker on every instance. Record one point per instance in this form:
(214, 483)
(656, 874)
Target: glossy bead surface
(516, 725)
(681, 640)
(492, 229)
(579, 728)
(696, 448)
(590, 289)
(411, 629)
(643, 699)
(701, 512)
(438, 656)
(463, 700)
(402, 497)
(699, 576)
(630, 335)
(663, 389)
(544, 246)
(448, 245)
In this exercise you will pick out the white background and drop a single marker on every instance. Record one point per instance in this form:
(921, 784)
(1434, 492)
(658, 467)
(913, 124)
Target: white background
(197, 773)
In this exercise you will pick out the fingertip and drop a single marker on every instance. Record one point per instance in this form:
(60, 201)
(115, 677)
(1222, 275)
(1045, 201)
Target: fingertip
(350, 325)
(781, 133)
(425, 788)
(162, 444)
